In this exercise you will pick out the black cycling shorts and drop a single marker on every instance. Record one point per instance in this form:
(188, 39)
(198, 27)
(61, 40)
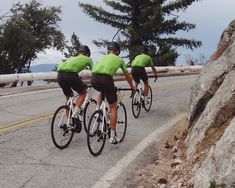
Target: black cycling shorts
(104, 84)
(139, 73)
(69, 81)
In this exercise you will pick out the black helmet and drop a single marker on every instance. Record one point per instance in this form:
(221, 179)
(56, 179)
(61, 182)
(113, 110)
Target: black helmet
(113, 46)
(85, 50)
(144, 49)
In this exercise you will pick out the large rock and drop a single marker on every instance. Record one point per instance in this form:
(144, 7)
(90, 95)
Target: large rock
(219, 167)
(212, 108)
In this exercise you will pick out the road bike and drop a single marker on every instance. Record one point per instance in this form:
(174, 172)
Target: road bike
(139, 101)
(99, 124)
(63, 126)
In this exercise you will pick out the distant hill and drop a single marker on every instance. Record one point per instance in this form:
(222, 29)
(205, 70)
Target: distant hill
(43, 67)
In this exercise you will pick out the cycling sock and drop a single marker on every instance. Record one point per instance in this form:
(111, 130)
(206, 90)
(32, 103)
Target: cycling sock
(112, 133)
(76, 111)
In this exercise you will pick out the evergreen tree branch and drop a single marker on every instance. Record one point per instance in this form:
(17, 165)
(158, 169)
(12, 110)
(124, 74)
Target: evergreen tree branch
(99, 14)
(187, 43)
(177, 5)
(118, 6)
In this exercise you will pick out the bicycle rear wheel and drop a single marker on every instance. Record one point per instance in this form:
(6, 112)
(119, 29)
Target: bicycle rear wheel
(121, 125)
(88, 110)
(136, 104)
(148, 100)
(96, 137)
(61, 133)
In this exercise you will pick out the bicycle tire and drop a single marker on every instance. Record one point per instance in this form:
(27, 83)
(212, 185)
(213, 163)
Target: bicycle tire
(88, 110)
(95, 136)
(136, 104)
(59, 124)
(148, 102)
(121, 125)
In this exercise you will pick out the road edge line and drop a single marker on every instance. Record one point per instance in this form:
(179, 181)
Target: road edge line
(112, 174)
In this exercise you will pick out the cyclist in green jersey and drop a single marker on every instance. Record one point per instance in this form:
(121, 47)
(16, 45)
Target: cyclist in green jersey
(69, 80)
(102, 80)
(138, 71)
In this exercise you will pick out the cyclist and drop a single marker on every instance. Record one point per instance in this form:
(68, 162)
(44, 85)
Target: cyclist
(102, 80)
(69, 79)
(138, 71)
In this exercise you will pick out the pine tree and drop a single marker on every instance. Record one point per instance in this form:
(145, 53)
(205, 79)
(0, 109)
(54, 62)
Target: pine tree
(73, 50)
(149, 22)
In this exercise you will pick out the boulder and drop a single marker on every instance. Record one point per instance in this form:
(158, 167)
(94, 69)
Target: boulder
(211, 116)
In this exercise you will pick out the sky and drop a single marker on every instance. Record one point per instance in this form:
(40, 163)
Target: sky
(211, 17)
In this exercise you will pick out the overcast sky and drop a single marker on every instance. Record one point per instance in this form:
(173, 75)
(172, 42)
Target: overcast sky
(210, 16)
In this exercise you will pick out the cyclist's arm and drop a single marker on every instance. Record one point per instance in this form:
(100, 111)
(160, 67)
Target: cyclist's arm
(152, 66)
(129, 79)
(154, 70)
(127, 75)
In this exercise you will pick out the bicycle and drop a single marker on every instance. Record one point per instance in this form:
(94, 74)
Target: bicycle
(63, 125)
(99, 125)
(139, 101)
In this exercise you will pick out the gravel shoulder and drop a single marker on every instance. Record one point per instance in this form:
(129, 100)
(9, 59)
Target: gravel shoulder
(161, 163)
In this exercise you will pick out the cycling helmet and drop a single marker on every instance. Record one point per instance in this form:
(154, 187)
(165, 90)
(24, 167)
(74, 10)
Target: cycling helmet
(85, 50)
(113, 46)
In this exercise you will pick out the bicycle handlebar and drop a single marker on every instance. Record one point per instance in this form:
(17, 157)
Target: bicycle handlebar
(123, 89)
(153, 76)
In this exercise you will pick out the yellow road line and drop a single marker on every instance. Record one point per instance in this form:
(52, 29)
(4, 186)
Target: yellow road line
(46, 116)
(24, 122)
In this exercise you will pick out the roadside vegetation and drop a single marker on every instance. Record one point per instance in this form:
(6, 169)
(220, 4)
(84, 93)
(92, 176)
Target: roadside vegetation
(29, 29)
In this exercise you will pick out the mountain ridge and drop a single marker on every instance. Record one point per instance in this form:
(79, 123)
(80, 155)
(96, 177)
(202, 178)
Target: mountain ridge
(43, 67)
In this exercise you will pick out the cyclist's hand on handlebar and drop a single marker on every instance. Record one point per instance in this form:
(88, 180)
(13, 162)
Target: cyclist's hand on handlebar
(156, 77)
(132, 91)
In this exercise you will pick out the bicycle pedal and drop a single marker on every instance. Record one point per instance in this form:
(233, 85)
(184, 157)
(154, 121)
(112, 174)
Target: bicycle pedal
(100, 138)
(66, 133)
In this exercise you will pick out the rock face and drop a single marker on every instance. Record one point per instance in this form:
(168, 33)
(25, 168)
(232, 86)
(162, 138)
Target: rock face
(211, 116)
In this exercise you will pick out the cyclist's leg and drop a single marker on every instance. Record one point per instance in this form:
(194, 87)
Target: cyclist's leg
(81, 98)
(144, 77)
(100, 97)
(64, 84)
(146, 88)
(113, 118)
(97, 82)
(135, 76)
(78, 85)
(111, 96)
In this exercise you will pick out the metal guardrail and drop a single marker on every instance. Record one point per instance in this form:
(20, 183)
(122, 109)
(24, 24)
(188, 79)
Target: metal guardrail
(163, 71)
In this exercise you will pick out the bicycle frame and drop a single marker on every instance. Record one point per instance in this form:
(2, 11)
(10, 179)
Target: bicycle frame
(138, 100)
(104, 117)
(103, 108)
(70, 103)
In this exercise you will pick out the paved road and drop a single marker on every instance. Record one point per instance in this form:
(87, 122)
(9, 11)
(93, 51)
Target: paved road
(29, 158)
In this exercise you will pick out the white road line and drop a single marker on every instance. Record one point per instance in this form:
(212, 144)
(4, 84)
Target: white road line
(109, 177)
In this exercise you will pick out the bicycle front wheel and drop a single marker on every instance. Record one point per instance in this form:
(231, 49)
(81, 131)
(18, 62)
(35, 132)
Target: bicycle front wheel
(61, 133)
(96, 133)
(88, 110)
(121, 125)
(148, 100)
(136, 104)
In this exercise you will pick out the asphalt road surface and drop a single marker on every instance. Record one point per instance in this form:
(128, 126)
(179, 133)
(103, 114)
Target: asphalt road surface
(28, 158)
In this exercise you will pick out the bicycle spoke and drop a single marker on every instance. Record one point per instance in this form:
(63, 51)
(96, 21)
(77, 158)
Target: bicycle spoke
(121, 122)
(88, 110)
(148, 100)
(136, 104)
(96, 135)
(60, 131)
